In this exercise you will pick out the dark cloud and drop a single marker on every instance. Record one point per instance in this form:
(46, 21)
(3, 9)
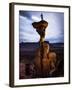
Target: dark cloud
(25, 14)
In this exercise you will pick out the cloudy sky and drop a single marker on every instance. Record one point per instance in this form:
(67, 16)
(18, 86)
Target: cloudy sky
(54, 31)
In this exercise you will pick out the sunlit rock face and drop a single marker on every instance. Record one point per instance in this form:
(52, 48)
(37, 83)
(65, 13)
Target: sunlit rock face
(49, 60)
